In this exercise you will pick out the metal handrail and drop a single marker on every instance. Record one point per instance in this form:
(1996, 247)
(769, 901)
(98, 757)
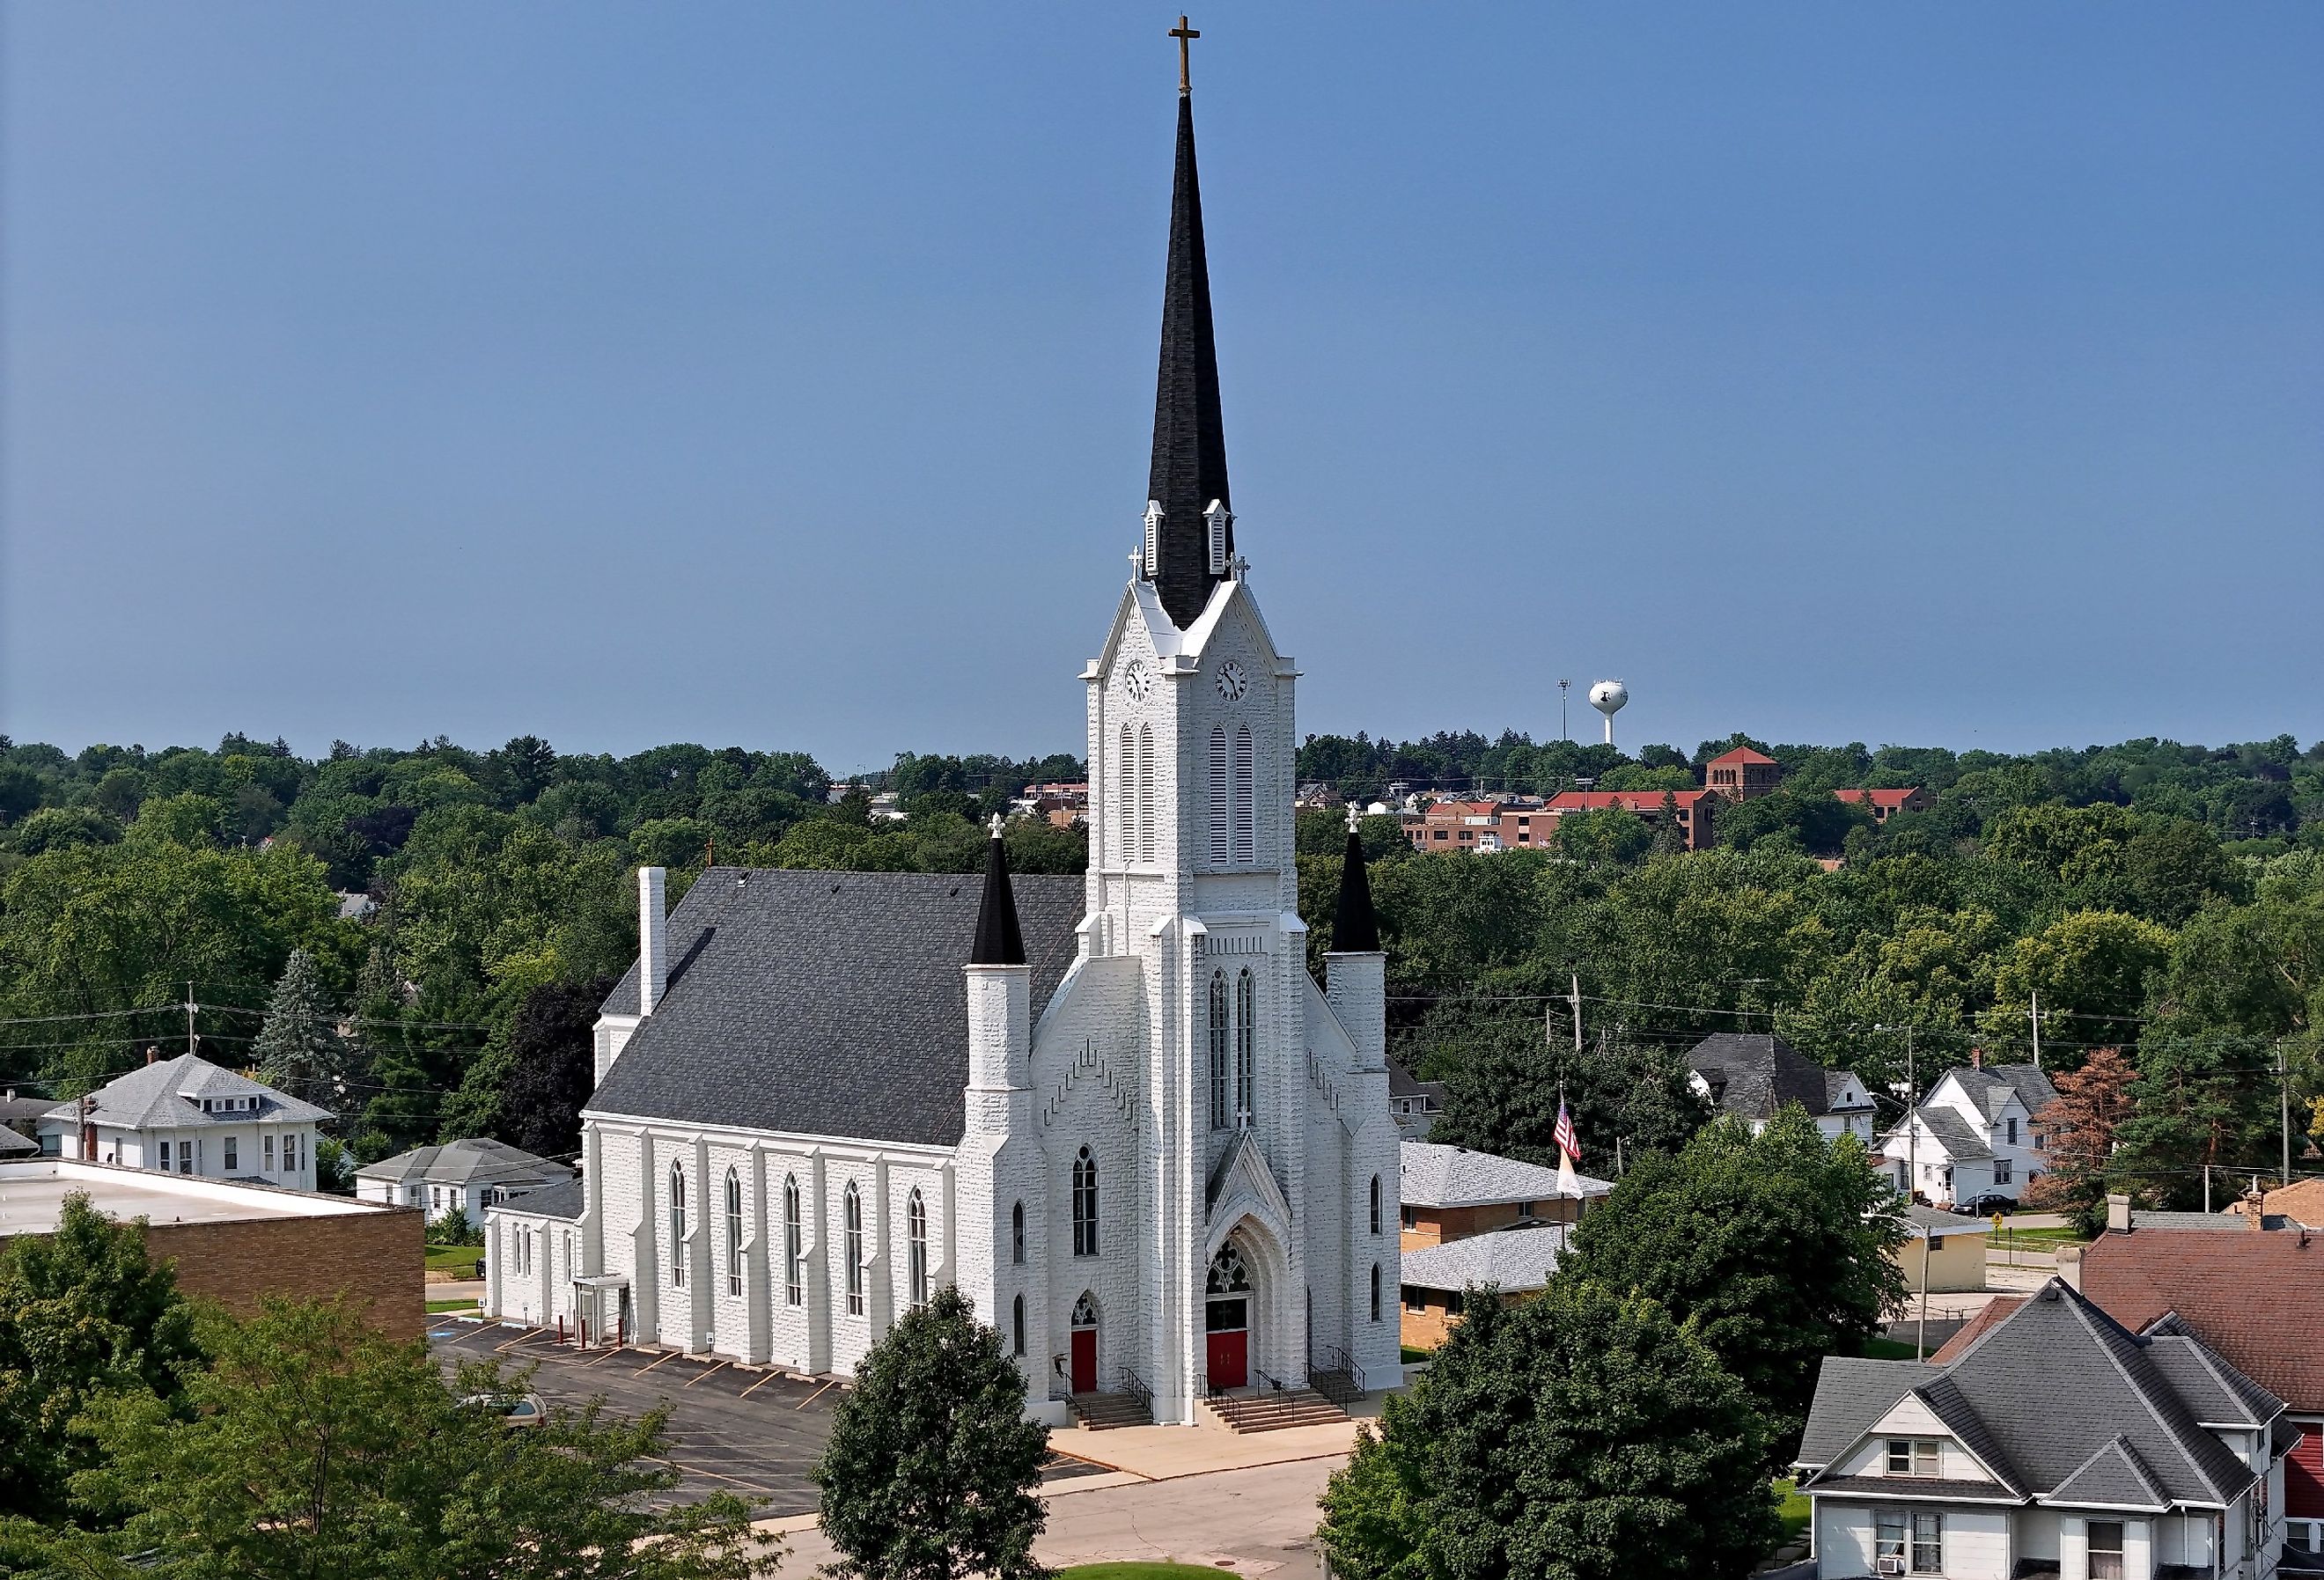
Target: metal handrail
(1203, 1388)
(1273, 1382)
(1135, 1386)
(1333, 1375)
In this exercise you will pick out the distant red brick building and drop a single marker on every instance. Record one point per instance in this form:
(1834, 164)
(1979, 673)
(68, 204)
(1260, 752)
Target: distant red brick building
(1742, 774)
(1884, 802)
(1451, 825)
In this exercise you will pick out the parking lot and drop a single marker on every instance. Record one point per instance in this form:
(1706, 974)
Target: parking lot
(755, 1432)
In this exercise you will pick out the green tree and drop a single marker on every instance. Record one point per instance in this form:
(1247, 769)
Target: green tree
(299, 1050)
(2078, 1133)
(84, 1314)
(2199, 1098)
(2091, 968)
(1503, 1079)
(315, 1446)
(1774, 1249)
(932, 1472)
(1583, 1436)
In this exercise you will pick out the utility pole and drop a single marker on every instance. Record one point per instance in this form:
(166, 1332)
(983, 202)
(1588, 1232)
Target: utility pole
(2206, 1188)
(2283, 1091)
(2037, 1028)
(189, 1017)
(1576, 1001)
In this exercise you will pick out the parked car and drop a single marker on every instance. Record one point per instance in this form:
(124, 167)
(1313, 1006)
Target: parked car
(1986, 1206)
(514, 1410)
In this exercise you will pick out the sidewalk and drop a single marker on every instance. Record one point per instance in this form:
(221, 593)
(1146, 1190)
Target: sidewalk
(1158, 1453)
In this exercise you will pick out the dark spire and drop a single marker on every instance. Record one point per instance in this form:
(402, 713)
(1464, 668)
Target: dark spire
(998, 940)
(1190, 446)
(1355, 929)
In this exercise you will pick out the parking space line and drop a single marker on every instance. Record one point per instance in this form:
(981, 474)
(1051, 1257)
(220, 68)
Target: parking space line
(713, 1476)
(650, 1365)
(504, 1349)
(818, 1393)
(762, 1382)
(601, 1360)
(692, 1381)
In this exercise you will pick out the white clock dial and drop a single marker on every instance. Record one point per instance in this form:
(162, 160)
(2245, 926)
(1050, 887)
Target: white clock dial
(1232, 682)
(1138, 679)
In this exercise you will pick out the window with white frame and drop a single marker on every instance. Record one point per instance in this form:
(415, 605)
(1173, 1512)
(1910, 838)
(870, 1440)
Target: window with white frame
(266, 1149)
(2011, 1127)
(2002, 1173)
(1912, 1456)
(1909, 1541)
(676, 1227)
(733, 1231)
(2106, 1549)
(233, 1153)
(162, 1150)
(794, 1261)
(854, 1248)
(916, 1246)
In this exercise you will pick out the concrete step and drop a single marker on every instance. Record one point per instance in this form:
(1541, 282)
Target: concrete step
(1275, 1412)
(1100, 1412)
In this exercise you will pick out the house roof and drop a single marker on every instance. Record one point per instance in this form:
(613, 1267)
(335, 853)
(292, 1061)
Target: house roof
(1434, 1175)
(1954, 1133)
(169, 1094)
(1991, 1087)
(1513, 1259)
(1639, 801)
(2112, 1478)
(2302, 1201)
(1753, 1074)
(562, 1200)
(1920, 1221)
(10, 1141)
(1991, 1312)
(2178, 1222)
(824, 1003)
(478, 1161)
(2040, 1393)
(1878, 797)
(1403, 1084)
(1740, 754)
(2251, 1299)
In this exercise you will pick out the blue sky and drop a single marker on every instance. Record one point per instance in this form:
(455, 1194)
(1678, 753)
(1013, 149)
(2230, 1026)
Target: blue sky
(783, 376)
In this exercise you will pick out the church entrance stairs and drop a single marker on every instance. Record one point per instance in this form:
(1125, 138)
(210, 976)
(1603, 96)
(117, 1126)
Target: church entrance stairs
(1273, 1409)
(1101, 1412)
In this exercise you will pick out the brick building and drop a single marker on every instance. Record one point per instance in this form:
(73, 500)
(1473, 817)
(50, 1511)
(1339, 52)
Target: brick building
(1742, 774)
(1475, 1218)
(1884, 803)
(1528, 824)
(237, 1243)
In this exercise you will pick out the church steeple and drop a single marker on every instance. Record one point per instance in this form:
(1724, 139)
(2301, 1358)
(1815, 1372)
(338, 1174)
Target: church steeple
(1189, 542)
(999, 942)
(1354, 928)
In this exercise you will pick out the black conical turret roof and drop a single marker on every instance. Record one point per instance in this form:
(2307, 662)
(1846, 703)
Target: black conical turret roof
(1190, 446)
(998, 940)
(1355, 929)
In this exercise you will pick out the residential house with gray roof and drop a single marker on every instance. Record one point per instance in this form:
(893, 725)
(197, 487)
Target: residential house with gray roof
(1975, 1135)
(471, 1174)
(2057, 1445)
(185, 1115)
(1753, 1076)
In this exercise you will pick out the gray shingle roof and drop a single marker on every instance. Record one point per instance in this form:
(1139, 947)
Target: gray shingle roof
(556, 1201)
(1752, 1074)
(1437, 1176)
(10, 1141)
(1513, 1259)
(2112, 1478)
(156, 1097)
(824, 1003)
(2039, 1393)
(475, 1160)
(1954, 1134)
(1838, 1099)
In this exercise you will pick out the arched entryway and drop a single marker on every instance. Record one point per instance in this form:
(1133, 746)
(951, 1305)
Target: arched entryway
(1227, 1318)
(1083, 1357)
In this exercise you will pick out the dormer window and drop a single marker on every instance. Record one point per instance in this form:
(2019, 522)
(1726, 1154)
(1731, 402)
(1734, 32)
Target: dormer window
(1912, 1456)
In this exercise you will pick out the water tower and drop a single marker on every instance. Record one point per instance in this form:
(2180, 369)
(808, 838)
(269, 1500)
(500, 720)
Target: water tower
(1608, 697)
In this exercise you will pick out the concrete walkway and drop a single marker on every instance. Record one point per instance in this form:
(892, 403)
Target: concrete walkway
(1156, 1454)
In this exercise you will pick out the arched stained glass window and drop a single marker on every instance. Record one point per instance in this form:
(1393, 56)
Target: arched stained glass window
(1221, 1089)
(794, 1238)
(733, 1232)
(916, 1242)
(854, 1247)
(677, 1226)
(1084, 1204)
(1246, 1041)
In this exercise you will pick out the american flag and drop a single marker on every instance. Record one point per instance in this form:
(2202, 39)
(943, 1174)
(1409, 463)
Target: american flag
(1567, 1143)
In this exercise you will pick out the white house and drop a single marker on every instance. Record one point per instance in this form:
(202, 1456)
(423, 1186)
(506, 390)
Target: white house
(1753, 1076)
(470, 1175)
(1116, 1111)
(185, 1115)
(2057, 1444)
(1973, 1135)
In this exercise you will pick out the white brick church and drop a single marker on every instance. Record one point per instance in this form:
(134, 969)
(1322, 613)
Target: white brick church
(1116, 1110)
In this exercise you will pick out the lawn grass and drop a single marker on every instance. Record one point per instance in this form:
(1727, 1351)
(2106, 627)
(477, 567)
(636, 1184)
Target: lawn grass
(1794, 1510)
(1413, 1357)
(2034, 1237)
(1890, 1349)
(1134, 1571)
(453, 1258)
(436, 1305)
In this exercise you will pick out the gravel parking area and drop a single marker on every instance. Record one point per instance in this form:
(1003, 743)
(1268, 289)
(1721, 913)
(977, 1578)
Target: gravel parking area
(755, 1432)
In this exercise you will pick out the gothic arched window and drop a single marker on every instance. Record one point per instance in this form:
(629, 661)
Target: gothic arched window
(1375, 1291)
(1017, 1327)
(794, 1239)
(676, 1227)
(733, 1232)
(854, 1249)
(1221, 1096)
(1084, 1204)
(1376, 1203)
(1146, 837)
(1246, 1035)
(1245, 799)
(1219, 795)
(1016, 1234)
(916, 1242)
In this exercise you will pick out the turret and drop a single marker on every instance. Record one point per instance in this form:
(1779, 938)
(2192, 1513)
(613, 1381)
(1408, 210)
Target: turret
(1355, 970)
(1000, 987)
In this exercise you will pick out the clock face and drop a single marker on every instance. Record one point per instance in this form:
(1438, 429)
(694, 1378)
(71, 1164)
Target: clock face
(1138, 679)
(1232, 682)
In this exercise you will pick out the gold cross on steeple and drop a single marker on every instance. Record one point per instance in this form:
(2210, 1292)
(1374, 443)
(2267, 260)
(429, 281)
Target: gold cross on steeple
(1183, 34)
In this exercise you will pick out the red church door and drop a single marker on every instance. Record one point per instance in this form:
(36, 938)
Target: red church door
(1229, 1347)
(1084, 1356)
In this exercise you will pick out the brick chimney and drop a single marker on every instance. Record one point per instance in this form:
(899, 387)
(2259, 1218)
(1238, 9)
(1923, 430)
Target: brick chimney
(1977, 1058)
(2117, 1213)
(653, 940)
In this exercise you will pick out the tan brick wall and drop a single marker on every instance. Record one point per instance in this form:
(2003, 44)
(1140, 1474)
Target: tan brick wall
(378, 1256)
(1435, 1226)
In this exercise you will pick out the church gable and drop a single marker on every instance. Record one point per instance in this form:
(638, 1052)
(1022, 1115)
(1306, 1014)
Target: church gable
(824, 1003)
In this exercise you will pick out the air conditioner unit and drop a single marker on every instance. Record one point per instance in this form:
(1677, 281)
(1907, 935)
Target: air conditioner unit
(1892, 1565)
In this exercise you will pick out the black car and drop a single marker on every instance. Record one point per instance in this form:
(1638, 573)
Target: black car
(1986, 1206)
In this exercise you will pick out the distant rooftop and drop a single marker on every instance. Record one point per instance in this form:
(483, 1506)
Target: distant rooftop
(32, 1193)
(1437, 1176)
